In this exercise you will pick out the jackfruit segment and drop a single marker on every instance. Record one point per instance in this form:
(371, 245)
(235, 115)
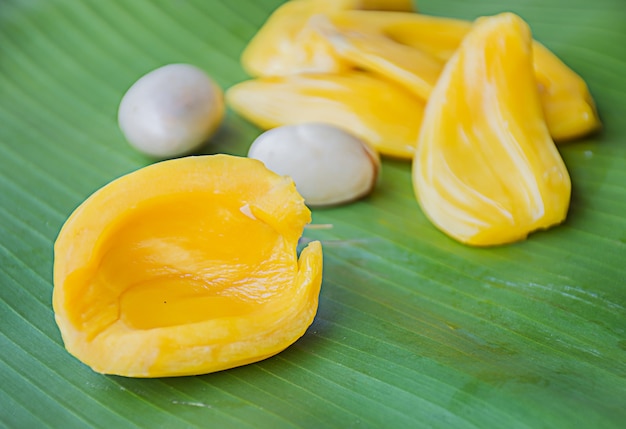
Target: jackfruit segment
(285, 44)
(438, 37)
(185, 267)
(486, 171)
(567, 103)
(424, 43)
(410, 67)
(378, 111)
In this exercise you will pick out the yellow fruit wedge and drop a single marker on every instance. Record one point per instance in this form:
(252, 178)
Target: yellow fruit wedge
(285, 44)
(486, 171)
(567, 103)
(366, 40)
(418, 71)
(436, 36)
(186, 267)
(380, 112)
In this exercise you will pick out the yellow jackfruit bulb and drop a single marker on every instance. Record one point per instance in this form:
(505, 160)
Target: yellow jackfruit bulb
(436, 36)
(380, 112)
(185, 267)
(410, 67)
(286, 45)
(568, 105)
(486, 171)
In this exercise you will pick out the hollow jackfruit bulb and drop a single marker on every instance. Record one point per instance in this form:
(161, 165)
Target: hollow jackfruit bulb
(486, 171)
(186, 267)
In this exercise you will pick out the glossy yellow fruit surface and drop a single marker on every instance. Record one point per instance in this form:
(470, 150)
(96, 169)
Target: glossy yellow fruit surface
(568, 105)
(185, 267)
(286, 44)
(437, 36)
(486, 171)
(376, 110)
(412, 68)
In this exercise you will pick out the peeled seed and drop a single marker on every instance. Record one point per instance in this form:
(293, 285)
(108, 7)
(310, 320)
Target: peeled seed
(328, 165)
(171, 111)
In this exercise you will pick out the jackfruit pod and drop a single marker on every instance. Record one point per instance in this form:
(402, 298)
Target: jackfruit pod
(380, 112)
(486, 171)
(185, 267)
(286, 45)
(418, 71)
(436, 36)
(567, 103)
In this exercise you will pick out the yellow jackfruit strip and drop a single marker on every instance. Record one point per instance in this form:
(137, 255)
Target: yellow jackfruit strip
(486, 171)
(381, 112)
(436, 36)
(413, 68)
(567, 103)
(285, 43)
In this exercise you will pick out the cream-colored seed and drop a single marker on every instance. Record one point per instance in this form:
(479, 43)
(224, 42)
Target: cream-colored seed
(329, 166)
(171, 111)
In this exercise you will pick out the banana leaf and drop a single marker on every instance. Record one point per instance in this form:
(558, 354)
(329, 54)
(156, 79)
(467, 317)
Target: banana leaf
(413, 328)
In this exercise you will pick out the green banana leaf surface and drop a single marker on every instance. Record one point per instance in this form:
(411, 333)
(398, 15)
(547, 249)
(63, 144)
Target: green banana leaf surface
(413, 328)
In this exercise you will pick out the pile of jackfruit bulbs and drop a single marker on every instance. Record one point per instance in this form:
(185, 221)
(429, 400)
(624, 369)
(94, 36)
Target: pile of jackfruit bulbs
(475, 106)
